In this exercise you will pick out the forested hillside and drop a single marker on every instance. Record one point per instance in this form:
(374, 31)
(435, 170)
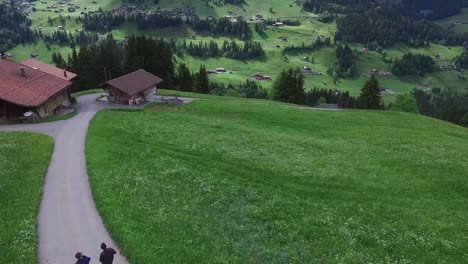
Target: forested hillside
(432, 9)
(390, 22)
(14, 27)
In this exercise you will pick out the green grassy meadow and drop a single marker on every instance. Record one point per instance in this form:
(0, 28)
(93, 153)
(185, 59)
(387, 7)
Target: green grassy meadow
(24, 158)
(251, 181)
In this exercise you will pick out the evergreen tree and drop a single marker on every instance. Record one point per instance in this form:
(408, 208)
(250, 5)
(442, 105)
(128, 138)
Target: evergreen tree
(14, 27)
(250, 89)
(405, 103)
(289, 87)
(446, 104)
(202, 83)
(60, 61)
(152, 55)
(463, 60)
(464, 120)
(184, 78)
(370, 95)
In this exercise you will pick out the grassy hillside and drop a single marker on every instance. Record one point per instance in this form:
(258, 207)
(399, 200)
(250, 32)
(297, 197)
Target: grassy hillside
(274, 61)
(459, 21)
(24, 158)
(280, 8)
(245, 181)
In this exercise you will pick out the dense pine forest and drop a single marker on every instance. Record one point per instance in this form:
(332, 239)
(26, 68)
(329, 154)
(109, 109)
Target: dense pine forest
(14, 28)
(386, 23)
(414, 8)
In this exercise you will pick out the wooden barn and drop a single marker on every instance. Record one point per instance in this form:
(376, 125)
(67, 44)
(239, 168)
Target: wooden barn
(27, 91)
(133, 88)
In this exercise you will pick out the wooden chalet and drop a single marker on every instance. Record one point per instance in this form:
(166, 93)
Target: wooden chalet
(261, 77)
(278, 24)
(133, 88)
(28, 91)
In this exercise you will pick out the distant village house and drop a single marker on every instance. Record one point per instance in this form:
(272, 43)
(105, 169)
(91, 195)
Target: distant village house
(261, 77)
(278, 24)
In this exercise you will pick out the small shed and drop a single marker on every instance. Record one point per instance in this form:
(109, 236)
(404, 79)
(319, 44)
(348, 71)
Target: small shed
(132, 88)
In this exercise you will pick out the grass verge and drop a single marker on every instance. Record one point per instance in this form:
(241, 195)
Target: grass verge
(58, 118)
(24, 158)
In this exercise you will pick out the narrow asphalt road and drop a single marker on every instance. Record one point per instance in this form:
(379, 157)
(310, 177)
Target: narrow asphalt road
(68, 220)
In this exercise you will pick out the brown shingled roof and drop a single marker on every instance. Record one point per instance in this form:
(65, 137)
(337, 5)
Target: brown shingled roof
(50, 69)
(135, 82)
(30, 91)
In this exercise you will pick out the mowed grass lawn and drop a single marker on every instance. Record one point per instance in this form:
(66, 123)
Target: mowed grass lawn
(228, 180)
(24, 158)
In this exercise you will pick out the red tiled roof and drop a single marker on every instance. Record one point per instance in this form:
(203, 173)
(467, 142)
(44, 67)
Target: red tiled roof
(30, 91)
(50, 69)
(135, 82)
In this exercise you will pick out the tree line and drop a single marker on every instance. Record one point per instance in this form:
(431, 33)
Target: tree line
(317, 43)
(345, 61)
(188, 81)
(101, 21)
(446, 104)
(106, 21)
(106, 59)
(387, 27)
(63, 37)
(435, 9)
(412, 63)
(289, 88)
(14, 28)
(229, 49)
(366, 22)
(462, 60)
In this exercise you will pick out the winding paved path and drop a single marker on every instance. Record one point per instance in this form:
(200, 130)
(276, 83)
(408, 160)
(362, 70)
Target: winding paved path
(68, 220)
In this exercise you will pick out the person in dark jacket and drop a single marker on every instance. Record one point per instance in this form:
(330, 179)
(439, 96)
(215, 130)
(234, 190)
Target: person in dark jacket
(107, 254)
(82, 259)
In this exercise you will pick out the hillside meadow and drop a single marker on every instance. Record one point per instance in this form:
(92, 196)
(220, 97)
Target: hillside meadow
(249, 181)
(274, 60)
(24, 158)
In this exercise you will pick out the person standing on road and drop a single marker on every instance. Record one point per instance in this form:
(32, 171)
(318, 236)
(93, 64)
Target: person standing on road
(82, 259)
(107, 254)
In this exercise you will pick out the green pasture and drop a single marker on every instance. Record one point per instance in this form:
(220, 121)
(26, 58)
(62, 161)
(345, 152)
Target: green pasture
(24, 158)
(251, 181)
(23, 52)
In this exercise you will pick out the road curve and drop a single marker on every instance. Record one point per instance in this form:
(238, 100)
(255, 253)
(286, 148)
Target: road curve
(68, 219)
